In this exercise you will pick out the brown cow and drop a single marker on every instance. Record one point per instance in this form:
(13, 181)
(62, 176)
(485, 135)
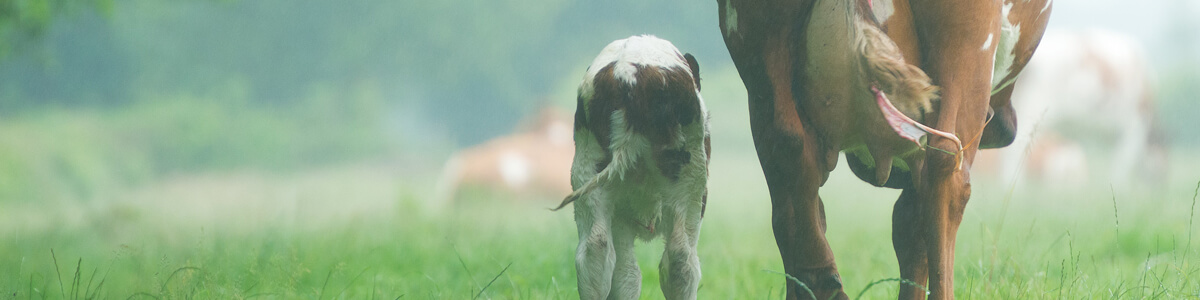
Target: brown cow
(825, 76)
(531, 163)
(1092, 86)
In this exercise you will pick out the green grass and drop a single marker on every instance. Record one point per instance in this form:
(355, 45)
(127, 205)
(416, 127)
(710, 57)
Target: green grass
(362, 232)
(249, 224)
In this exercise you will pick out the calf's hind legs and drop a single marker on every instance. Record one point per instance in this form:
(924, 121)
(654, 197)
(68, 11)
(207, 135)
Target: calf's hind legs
(595, 256)
(626, 276)
(679, 269)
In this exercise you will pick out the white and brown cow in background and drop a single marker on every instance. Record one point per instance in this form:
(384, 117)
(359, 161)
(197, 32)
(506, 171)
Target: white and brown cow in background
(1090, 88)
(530, 163)
(641, 168)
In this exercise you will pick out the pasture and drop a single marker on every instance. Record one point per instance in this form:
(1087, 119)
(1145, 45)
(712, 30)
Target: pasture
(281, 149)
(366, 229)
(365, 236)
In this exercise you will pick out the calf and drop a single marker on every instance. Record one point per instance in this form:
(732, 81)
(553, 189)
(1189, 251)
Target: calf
(640, 169)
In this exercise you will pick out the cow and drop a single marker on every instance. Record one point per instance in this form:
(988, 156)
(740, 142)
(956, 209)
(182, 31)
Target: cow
(529, 163)
(865, 77)
(1085, 87)
(640, 168)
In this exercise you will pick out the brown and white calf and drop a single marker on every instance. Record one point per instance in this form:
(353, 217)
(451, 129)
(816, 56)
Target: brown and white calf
(640, 169)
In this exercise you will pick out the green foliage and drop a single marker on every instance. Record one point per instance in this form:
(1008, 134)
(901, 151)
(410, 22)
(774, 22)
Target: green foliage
(474, 66)
(23, 21)
(81, 154)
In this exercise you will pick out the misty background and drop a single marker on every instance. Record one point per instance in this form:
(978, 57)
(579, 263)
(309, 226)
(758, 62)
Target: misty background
(231, 149)
(102, 94)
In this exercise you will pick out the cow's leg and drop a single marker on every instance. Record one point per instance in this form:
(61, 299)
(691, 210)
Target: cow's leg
(795, 164)
(627, 277)
(595, 256)
(793, 176)
(957, 55)
(909, 242)
(939, 204)
(679, 269)
(908, 231)
(798, 217)
(1130, 148)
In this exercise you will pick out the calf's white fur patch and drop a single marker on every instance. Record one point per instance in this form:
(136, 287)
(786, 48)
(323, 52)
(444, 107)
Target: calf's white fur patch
(641, 50)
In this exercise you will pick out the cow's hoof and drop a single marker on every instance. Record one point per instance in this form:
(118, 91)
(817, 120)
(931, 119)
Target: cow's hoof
(832, 282)
(825, 283)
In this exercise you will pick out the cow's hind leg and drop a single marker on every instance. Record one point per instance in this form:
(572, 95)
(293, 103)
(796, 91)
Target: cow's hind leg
(909, 242)
(795, 163)
(595, 257)
(957, 32)
(798, 218)
(627, 277)
(679, 269)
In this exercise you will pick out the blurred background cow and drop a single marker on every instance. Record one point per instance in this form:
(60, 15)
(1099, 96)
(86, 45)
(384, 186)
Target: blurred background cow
(228, 149)
(533, 162)
(1085, 107)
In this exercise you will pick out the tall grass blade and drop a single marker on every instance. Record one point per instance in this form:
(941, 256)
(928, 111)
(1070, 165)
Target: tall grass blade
(1114, 202)
(464, 265)
(172, 276)
(1191, 217)
(76, 280)
(323, 285)
(797, 281)
(88, 290)
(352, 280)
(490, 282)
(61, 290)
(901, 280)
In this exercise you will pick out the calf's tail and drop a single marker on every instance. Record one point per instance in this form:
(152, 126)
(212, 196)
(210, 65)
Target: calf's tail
(624, 158)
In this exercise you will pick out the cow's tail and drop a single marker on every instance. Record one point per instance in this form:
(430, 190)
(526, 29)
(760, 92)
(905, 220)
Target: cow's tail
(625, 154)
(906, 85)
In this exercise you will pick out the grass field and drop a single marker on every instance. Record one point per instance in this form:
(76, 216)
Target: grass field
(282, 149)
(365, 231)
(365, 228)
